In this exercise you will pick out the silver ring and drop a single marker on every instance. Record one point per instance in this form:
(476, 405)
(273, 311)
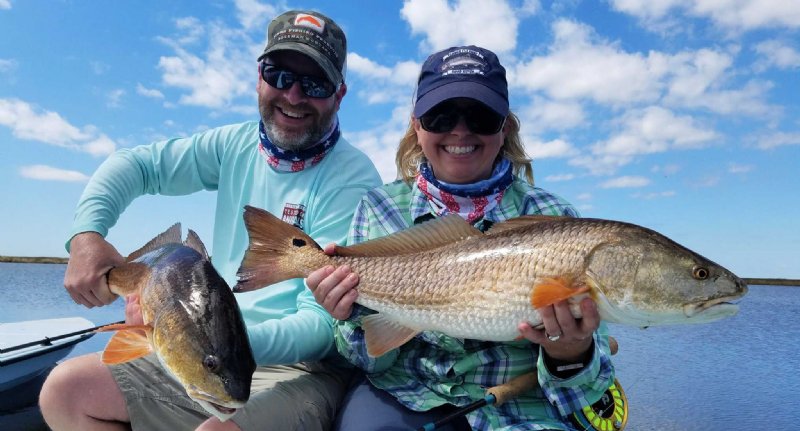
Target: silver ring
(553, 337)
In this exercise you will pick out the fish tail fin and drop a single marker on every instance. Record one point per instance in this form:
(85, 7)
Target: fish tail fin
(550, 290)
(278, 251)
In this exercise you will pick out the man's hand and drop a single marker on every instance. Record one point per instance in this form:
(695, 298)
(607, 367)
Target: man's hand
(334, 288)
(90, 258)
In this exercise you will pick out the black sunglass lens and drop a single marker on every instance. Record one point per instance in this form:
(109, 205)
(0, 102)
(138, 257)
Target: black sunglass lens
(479, 119)
(440, 119)
(439, 123)
(482, 120)
(277, 78)
(312, 86)
(317, 87)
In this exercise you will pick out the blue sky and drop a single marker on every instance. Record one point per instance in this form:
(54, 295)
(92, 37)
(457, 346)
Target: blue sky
(678, 115)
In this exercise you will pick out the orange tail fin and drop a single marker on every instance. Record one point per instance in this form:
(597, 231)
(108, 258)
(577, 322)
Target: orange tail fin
(278, 251)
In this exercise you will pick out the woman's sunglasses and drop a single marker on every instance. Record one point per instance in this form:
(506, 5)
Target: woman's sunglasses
(312, 86)
(479, 118)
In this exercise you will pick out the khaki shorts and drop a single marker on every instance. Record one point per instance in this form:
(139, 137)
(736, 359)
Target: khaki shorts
(303, 396)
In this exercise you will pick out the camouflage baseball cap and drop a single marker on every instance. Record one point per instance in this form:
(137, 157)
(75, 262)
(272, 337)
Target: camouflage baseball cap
(313, 34)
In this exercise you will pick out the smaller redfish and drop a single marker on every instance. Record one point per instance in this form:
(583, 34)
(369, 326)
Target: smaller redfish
(191, 321)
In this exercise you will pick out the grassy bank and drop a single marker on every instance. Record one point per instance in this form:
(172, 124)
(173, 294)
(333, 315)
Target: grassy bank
(32, 259)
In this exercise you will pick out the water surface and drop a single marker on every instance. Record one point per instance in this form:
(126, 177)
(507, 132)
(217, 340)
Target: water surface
(741, 373)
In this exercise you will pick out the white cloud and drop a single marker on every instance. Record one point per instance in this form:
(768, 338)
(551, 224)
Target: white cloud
(666, 170)
(541, 114)
(778, 54)
(559, 178)
(777, 139)
(644, 132)
(378, 84)
(380, 143)
(31, 123)
(147, 92)
(99, 68)
(491, 24)
(253, 14)
(114, 98)
(100, 146)
(654, 195)
(735, 168)
(556, 148)
(403, 73)
(707, 181)
(7, 65)
(530, 7)
(625, 182)
(5, 4)
(697, 83)
(732, 15)
(223, 72)
(579, 67)
(49, 173)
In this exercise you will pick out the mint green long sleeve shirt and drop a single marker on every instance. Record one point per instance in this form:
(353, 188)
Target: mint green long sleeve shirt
(285, 324)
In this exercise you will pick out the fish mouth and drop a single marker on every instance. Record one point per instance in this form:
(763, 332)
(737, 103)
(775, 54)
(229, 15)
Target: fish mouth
(215, 406)
(722, 306)
(222, 409)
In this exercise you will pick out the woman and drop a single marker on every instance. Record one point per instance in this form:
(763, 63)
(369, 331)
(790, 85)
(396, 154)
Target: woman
(462, 154)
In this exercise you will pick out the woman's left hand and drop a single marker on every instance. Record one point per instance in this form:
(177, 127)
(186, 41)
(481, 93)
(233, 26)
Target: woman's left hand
(563, 336)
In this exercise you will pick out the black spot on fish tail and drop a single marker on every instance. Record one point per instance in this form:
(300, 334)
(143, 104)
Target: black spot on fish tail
(298, 242)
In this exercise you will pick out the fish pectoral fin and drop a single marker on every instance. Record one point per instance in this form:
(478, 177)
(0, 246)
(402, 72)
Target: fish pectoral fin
(127, 344)
(383, 334)
(550, 290)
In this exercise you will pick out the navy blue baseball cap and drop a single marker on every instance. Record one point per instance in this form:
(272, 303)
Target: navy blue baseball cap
(462, 71)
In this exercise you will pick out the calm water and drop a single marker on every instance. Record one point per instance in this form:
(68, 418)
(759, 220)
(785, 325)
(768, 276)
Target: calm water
(742, 373)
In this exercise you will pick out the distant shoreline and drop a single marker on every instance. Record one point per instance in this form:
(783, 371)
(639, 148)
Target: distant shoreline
(33, 259)
(772, 281)
(64, 260)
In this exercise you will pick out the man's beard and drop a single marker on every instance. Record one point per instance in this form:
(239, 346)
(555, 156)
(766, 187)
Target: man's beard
(295, 141)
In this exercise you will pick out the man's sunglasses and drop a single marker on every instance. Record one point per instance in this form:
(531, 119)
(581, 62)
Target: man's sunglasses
(312, 86)
(479, 118)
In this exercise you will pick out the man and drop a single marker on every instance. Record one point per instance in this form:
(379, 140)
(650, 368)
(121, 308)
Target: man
(294, 164)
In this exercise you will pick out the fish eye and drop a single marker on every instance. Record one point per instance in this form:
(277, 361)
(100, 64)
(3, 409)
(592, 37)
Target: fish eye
(700, 273)
(211, 363)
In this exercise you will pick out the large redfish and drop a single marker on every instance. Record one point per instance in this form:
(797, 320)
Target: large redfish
(447, 276)
(191, 321)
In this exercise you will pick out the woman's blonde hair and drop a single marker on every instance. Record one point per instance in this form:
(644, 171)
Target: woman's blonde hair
(409, 154)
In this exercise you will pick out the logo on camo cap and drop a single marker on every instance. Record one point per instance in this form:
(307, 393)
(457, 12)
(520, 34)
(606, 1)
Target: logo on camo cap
(312, 34)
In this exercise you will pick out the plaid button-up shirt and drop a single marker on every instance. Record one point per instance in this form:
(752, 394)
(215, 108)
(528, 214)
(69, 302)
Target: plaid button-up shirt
(433, 369)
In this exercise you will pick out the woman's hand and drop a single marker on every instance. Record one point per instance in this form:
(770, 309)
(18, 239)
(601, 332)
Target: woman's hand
(564, 337)
(334, 288)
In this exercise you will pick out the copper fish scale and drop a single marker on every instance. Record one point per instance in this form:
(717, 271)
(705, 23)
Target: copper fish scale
(477, 288)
